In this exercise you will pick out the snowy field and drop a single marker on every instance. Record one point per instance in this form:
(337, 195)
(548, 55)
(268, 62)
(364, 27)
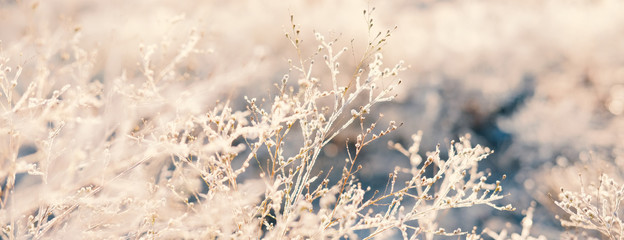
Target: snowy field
(311, 119)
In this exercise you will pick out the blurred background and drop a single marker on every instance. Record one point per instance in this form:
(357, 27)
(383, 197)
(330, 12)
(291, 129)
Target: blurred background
(540, 82)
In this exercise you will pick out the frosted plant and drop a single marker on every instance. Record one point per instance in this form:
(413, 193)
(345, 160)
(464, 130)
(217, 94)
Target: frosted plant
(128, 159)
(582, 204)
(457, 180)
(595, 207)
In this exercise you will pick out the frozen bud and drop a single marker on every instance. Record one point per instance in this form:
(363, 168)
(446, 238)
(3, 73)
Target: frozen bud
(318, 36)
